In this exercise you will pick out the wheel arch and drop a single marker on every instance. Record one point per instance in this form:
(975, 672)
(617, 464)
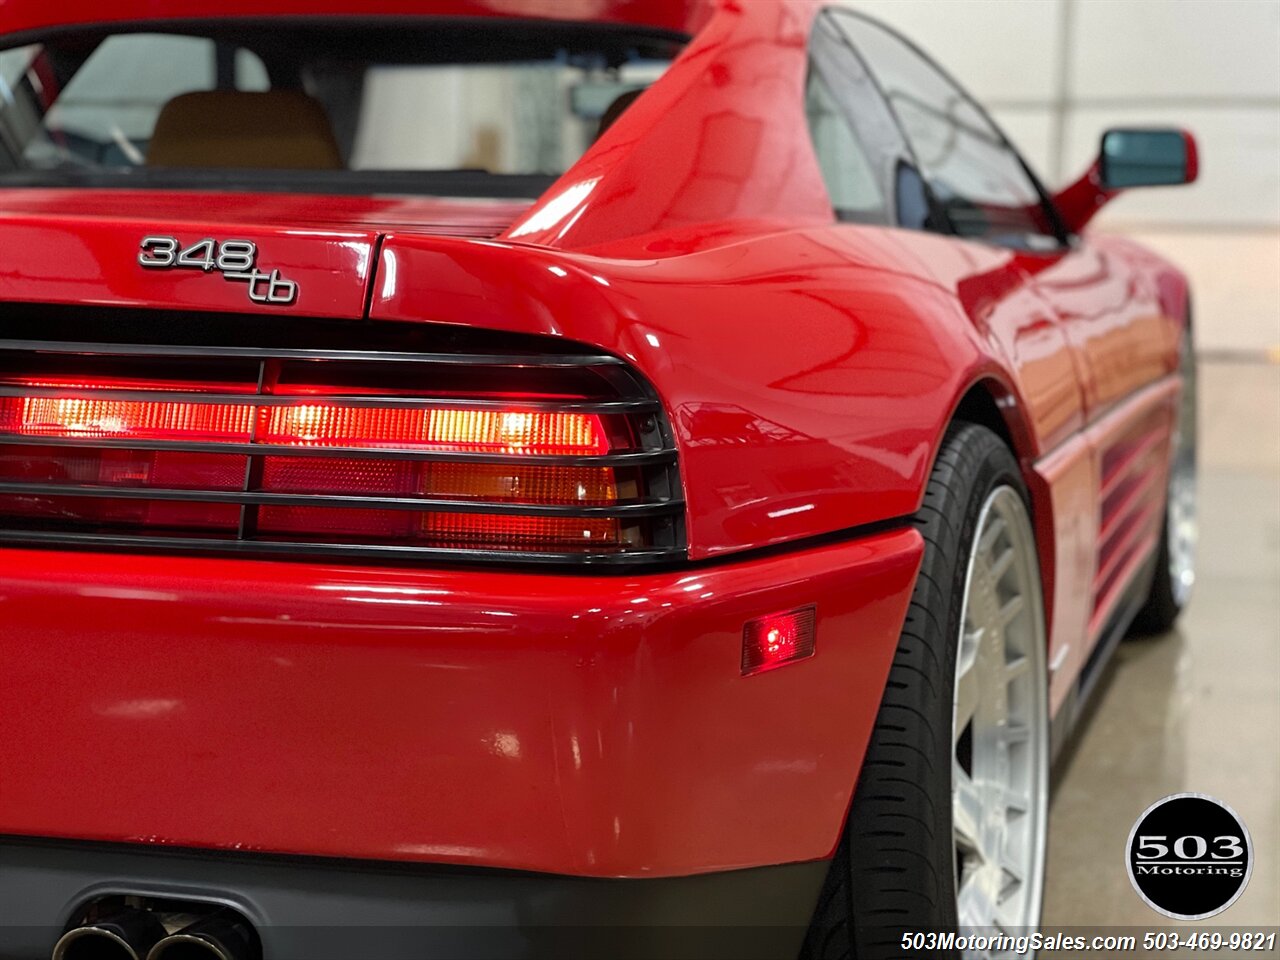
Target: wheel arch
(981, 405)
(989, 402)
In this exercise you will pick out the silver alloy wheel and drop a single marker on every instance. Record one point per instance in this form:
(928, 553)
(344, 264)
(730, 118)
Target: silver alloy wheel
(1183, 529)
(1000, 721)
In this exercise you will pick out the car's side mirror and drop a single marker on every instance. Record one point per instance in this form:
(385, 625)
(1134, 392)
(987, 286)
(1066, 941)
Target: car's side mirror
(1129, 158)
(1146, 158)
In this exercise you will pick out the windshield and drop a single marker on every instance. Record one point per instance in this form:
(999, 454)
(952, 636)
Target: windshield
(481, 108)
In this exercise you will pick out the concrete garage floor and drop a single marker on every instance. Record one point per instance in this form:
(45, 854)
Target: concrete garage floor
(1196, 710)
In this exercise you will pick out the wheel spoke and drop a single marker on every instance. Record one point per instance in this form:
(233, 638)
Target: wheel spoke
(966, 702)
(976, 908)
(1009, 612)
(1016, 668)
(1016, 733)
(999, 733)
(966, 812)
(1011, 878)
(1002, 565)
(1015, 802)
(990, 535)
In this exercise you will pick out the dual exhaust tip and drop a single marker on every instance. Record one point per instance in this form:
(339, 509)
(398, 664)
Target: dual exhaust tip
(136, 934)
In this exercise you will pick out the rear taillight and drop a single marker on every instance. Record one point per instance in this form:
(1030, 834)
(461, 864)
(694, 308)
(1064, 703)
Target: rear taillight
(87, 417)
(545, 456)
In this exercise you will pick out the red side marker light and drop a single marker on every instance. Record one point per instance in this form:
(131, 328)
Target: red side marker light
(777, 639)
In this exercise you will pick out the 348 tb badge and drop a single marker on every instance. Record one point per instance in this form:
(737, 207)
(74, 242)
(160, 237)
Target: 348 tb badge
(234, 259)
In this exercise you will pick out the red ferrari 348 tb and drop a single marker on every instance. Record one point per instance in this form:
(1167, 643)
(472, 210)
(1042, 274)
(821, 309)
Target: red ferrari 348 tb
(514, 477)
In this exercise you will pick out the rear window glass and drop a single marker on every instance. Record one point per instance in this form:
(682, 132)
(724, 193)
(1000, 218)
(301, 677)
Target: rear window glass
(473, 107)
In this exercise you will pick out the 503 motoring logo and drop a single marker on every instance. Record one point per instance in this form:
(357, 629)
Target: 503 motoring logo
(1189, 856)
(234, 259)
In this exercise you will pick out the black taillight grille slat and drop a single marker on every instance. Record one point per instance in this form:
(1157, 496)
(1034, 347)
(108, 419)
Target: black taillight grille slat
(607, 494)
(344, 400)
(376, 552)
(268, 373)
(254, 353)
(645, 508)
(639, 458)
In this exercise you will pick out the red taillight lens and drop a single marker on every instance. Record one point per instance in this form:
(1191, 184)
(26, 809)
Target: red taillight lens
(83, 418)
(474, 431)
(777, 639)
(488, 530)
(122, 468)
(391, 432)
(515, 483)
(336, 475)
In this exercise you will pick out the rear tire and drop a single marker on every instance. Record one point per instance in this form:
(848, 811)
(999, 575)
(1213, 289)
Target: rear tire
(963, 703)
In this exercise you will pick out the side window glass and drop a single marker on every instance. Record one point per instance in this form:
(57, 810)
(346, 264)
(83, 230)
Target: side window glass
(13, 64)
(977, 180)
(851, 181)
(19, 116)
(865, 161)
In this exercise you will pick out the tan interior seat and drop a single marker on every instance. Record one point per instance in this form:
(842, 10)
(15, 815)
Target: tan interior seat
(277, 129)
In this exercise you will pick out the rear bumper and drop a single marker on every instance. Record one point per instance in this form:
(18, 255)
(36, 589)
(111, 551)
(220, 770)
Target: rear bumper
(576, 725)
(338, 910)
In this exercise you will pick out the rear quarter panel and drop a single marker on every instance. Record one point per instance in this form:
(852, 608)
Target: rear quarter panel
(808, 374)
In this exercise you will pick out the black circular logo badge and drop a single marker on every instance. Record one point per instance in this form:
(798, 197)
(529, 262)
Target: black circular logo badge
(1189, 856)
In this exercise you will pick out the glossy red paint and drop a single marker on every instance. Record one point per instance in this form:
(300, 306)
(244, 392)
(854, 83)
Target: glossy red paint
(695, 150)
(809, 369)
(444, 216)
(17, 16)
(1193, 156)
(836, 433)
(1132, 447)
(66, 246)
(1081, 199)
(1064, 488)
(571, 724)
(329, 266)
(1069, 485)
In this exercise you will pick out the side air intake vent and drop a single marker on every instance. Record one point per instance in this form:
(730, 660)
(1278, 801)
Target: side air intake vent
(465, 453)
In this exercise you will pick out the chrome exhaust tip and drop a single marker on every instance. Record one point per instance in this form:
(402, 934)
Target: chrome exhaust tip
(128, 935)
(223, 936)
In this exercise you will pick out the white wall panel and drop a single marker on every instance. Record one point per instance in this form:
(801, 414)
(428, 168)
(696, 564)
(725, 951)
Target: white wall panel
(1239, 172)
(999, 50)
(1175, 48)
(1212, 66)
(1235, 282)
